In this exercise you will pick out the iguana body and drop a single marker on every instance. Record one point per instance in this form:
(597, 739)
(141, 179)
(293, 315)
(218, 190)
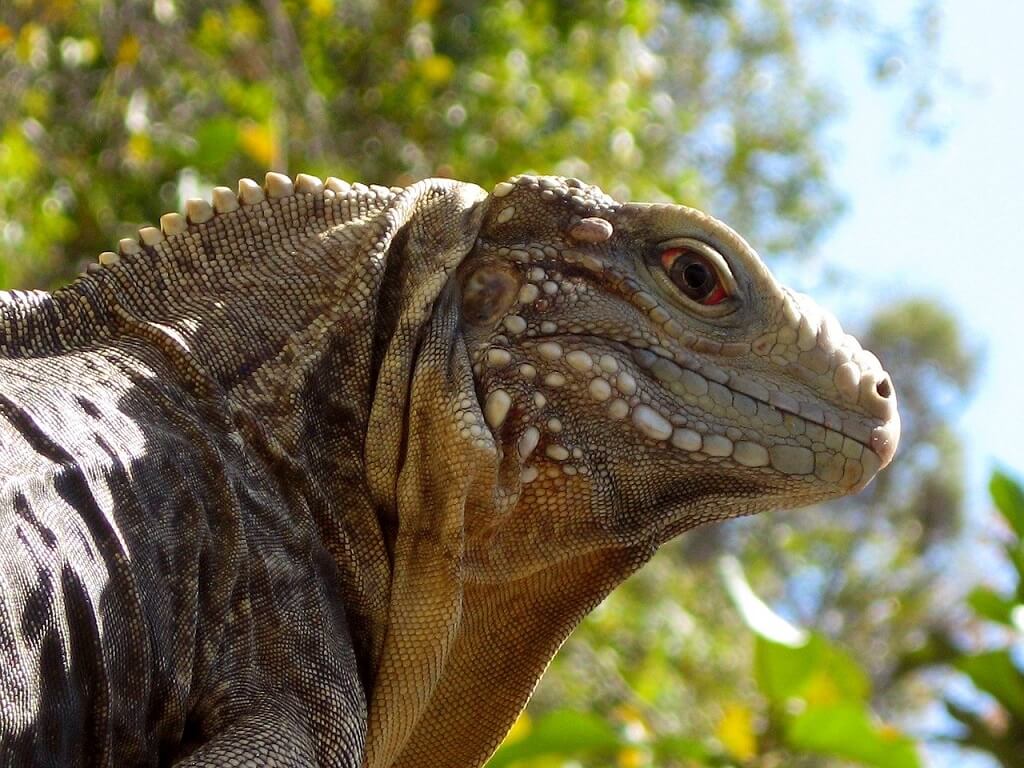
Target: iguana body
(324, 476)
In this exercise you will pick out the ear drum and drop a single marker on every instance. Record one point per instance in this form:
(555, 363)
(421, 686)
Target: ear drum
(488, 292)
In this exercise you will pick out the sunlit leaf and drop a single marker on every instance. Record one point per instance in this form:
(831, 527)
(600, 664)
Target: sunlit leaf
(847, 731)
(818, 672)
(562, 732)
(989, 604)
(218, 140)
(995, 673)
(1008, 497)
(675, 748)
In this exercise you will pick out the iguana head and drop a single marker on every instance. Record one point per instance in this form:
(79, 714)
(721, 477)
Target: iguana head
(614, 374)
(640, 361)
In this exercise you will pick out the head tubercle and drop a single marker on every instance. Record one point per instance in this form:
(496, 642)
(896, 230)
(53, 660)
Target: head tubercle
(544, 208)
(530, 208)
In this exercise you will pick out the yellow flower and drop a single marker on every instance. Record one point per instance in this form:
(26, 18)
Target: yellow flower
(736, 731)
(128, 50)
(258, 142)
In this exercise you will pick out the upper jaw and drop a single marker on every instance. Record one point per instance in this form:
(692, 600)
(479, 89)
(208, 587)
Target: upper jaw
(798, 395)
(703, 409)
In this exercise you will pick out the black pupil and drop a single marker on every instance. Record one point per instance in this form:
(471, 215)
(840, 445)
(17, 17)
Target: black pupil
(694, 278)
(696, 275)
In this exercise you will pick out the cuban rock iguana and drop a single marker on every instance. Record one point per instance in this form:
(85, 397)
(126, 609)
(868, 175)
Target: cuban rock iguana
(323, 474)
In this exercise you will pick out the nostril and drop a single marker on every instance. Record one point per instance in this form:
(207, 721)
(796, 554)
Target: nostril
(884, 388)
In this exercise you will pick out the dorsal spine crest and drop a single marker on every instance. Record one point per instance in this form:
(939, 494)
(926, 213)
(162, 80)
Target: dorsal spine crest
(224, 201)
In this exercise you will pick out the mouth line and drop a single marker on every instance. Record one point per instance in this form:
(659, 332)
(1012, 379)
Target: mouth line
(852, 427)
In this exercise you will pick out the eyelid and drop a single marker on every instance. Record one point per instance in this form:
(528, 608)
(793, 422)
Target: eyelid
(716, 259)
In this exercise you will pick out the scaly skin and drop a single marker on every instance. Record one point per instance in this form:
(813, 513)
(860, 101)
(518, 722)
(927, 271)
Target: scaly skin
(326, 474)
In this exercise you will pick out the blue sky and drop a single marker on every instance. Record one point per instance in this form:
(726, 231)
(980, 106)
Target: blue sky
(945, 220)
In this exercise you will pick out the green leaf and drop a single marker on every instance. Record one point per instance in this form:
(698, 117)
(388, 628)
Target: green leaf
(673, 748)
(818, 672)
(981, 735)
(995, 673)
(991, 605)
(1015, 554)
(780, 670)
(1008, 497)
(564, 733)
(217, 142)
(847, 731)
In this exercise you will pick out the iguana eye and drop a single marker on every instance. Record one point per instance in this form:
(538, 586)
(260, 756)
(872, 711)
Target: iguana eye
(693, 273)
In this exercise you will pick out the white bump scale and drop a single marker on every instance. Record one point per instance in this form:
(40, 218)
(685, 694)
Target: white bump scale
(717, 445)
(151, 235)
(625, 383)
(278, 185)
(498, 358)
(651, 423)
(528, 442)
(591, 230)
(550, 350)
(496, 408)
(528, 293)
(199, 211)
(750, 454)
(502, 189)
(847, 381)
(556, 452)
(618, 409)
(306, 184)
(128, 247)
(173, 224)
(514, 324)
(249, 192)
(579, 360)
(792, 459)
(338, 186)
(224, 200)
(599, 389)
(686, 439)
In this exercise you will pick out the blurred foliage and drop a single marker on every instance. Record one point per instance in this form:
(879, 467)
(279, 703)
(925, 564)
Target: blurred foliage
(810, 703)
(811, 699)
(115, 112)
(984, 645)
